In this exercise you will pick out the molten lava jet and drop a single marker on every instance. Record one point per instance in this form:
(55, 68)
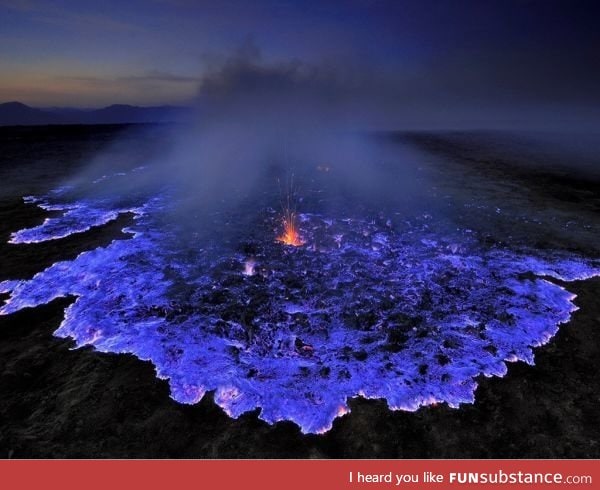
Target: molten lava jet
(290, 235)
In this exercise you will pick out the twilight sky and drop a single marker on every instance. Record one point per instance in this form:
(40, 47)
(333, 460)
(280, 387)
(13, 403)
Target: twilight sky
(467, 60)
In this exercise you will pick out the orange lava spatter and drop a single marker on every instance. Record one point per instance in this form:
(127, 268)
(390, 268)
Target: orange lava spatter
(290, 235)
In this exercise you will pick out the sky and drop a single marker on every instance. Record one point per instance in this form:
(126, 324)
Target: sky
(468, 60)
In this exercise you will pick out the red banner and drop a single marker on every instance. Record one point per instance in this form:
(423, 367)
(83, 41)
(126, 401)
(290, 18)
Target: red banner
(301, 474)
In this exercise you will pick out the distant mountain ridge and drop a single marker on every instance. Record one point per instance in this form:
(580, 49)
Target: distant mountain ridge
(19, 114)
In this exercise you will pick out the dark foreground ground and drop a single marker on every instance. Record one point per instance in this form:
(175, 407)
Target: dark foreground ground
(57, 402)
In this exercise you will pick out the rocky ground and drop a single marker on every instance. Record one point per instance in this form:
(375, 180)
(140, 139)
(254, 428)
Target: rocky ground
(59, 402)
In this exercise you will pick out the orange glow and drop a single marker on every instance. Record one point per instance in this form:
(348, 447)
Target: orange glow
(290, 235)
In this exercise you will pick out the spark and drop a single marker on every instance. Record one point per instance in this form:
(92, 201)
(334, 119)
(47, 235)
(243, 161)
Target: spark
(291, 234)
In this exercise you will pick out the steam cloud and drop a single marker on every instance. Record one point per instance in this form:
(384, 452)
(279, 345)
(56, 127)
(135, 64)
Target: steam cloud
(256, 121)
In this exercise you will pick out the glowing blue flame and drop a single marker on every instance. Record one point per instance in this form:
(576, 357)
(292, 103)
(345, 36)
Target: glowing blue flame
(411, 315)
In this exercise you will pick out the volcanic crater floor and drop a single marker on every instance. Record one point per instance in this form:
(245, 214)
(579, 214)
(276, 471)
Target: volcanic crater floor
(367, 315)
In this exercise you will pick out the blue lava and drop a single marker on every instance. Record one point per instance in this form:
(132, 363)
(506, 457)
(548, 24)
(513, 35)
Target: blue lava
(408, 314)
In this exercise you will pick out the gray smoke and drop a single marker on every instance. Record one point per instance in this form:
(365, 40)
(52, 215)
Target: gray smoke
(256, 123)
